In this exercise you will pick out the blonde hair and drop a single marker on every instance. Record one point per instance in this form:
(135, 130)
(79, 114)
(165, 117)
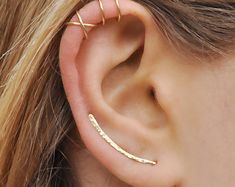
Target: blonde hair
(34, 113)
(35, 118)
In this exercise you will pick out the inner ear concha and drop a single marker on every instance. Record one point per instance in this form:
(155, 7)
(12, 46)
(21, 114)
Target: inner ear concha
(132, 28)
(123, 71)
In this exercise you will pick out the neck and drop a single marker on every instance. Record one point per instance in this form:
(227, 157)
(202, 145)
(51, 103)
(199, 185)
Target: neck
(90, 172)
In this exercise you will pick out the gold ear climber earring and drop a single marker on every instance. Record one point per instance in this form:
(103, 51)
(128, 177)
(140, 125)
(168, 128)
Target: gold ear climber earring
(95, 124)
(84, 25)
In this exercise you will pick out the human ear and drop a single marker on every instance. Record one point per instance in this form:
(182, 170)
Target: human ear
(109, 74)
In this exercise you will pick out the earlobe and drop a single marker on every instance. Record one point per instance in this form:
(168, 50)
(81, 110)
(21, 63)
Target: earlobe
(100, 79)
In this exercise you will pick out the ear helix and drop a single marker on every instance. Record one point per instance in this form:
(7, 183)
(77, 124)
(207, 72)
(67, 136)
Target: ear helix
(84, 25)
(95, 124)
(91, 117)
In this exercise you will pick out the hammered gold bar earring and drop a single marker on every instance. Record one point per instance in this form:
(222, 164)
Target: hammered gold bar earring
(95, 124)
(84, 25)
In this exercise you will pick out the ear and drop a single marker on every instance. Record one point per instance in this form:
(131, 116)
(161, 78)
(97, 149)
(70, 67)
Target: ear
(111, 76)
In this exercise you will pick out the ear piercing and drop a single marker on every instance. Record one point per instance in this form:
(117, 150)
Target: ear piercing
(95, 124)
(84, 25)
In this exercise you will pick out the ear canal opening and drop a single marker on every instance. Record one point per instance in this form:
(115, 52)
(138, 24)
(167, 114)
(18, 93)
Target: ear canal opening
(152, 93)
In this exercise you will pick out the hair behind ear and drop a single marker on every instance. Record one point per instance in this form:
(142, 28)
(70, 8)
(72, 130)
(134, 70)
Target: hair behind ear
(35, 117)
(200, 28)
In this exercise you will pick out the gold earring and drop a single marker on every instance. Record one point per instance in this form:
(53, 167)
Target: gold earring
(81, 24)
(95, 124)
(84, 25)
(102, 11)
(119, 10)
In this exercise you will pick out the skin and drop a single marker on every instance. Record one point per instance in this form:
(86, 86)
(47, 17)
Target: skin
(203, 116)
(187, 125)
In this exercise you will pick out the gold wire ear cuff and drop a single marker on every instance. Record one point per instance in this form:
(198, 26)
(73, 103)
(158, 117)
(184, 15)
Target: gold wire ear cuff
(81, 24)
(102, 11)
(95, 124)
(84, 25)
(119, 10)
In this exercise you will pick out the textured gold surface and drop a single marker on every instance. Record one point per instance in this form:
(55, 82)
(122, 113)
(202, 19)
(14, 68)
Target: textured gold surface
(114, 145)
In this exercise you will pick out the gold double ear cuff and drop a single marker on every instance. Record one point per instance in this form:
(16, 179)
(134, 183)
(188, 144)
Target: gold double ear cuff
(95, 124)
(84, 25)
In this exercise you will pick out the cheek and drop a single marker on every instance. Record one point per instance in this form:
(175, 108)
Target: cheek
(201, 107)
